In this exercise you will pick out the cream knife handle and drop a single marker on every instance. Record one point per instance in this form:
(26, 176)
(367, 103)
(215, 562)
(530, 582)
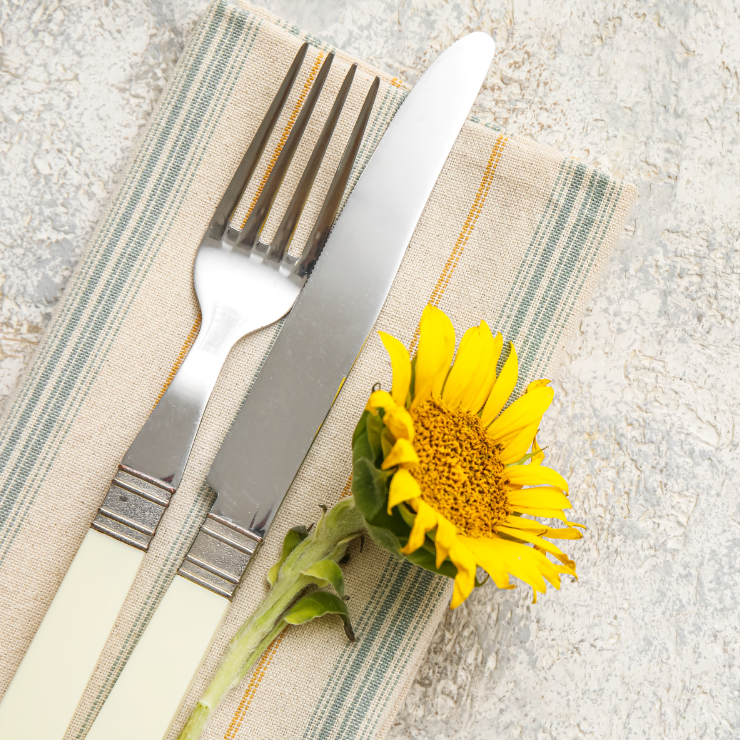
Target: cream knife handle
(43, 696)
(153, 685)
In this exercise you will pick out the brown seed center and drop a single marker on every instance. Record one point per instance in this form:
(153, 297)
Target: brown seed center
(460, 470)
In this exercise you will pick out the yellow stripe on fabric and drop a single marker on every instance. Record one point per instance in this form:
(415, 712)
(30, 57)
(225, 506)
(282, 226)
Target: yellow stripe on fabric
(180, 357)
(468, 227)
(251, 690)
(439, 290)
(286, 131)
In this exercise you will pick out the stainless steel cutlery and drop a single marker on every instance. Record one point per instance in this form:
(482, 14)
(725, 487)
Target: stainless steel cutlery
(242, 285)
(295, 389)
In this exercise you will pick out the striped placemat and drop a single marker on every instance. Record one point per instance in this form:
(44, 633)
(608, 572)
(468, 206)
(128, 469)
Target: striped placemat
(513, 233)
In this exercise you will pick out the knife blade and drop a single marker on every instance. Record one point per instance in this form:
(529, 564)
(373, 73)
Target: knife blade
(296, 388)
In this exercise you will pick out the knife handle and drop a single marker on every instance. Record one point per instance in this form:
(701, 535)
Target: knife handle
(48, 685)
(154, 682)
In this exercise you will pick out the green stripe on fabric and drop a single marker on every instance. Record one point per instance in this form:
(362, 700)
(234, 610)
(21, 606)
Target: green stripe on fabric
(62, 330)
(389, 631)
(127, 266)
(543, 246)
(564, 310)
(547, 325)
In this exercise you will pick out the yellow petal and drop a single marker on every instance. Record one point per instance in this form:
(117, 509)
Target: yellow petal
(516, 449)
(542, 530)
(524, 412)
(403, 488)
(544, 498)
(480, 388)
(502, 388)
(535, 475)
(547, 568)
(536, 540)
(528, 525)
(469, 356)
(497, 556)
(542, 383)
(399, 421)
(402, 453)
(433, 358)
(425, 521)
(400, 365)
(445, 538)
(487, 553)
(546, 514)
(380, 400)
(563, 533)
(464, 561)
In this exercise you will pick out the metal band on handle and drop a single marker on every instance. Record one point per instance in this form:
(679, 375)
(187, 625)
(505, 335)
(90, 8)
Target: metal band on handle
(219, 556)
(133, 507)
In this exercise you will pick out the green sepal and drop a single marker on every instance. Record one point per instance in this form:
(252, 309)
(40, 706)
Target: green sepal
(369, 488)
(412, 384)
(361, 427)
(318, 604)
(360, 444)
(293, 538)
(326, 573)
(385, 539)
(386, 441)
(375, 429)
(407, 515)
(389, 531)
(425, 557)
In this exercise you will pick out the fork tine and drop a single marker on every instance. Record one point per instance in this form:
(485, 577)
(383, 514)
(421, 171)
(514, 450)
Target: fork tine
(325, 219)
(287, 227)
(245, 170)
(255, 223)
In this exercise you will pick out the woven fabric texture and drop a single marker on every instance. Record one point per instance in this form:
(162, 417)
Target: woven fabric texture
(513, 233)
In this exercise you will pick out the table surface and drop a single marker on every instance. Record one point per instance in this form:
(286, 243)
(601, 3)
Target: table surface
(646, 644)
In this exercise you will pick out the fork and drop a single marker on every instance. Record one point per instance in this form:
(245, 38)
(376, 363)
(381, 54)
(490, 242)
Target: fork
(242, 285)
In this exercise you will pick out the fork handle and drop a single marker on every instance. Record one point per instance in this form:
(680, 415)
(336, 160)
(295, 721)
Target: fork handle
(162, 446)
(41, 700)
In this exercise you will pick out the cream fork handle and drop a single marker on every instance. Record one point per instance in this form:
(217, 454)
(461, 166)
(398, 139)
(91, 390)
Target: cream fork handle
(148, 693)
(37, 705)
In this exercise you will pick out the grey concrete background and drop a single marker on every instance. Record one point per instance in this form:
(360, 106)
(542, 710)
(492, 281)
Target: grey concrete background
(646, 644)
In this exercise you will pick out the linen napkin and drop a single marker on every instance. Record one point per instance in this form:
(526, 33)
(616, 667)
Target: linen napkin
(513, 233)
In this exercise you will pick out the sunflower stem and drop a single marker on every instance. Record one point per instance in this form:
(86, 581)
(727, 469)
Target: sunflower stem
(329, 540)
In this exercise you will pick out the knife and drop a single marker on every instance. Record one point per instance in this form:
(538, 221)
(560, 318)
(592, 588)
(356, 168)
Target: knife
(295, 389)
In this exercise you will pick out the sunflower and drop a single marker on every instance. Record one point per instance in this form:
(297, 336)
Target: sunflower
(461, 474)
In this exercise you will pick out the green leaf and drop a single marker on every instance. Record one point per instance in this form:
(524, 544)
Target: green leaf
(319, 604)
(369, 488)
(375, 428)
(293, 538)
(326, 573)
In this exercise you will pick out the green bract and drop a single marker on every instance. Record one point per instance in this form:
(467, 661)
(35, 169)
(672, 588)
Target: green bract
(370, 485)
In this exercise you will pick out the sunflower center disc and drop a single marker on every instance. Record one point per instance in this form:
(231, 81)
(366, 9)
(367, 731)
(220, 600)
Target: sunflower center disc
(460, 470)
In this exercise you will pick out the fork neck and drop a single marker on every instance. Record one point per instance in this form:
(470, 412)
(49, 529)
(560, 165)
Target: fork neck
(162, 447)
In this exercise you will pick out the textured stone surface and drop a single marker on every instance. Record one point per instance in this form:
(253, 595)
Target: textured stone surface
(646, 644)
